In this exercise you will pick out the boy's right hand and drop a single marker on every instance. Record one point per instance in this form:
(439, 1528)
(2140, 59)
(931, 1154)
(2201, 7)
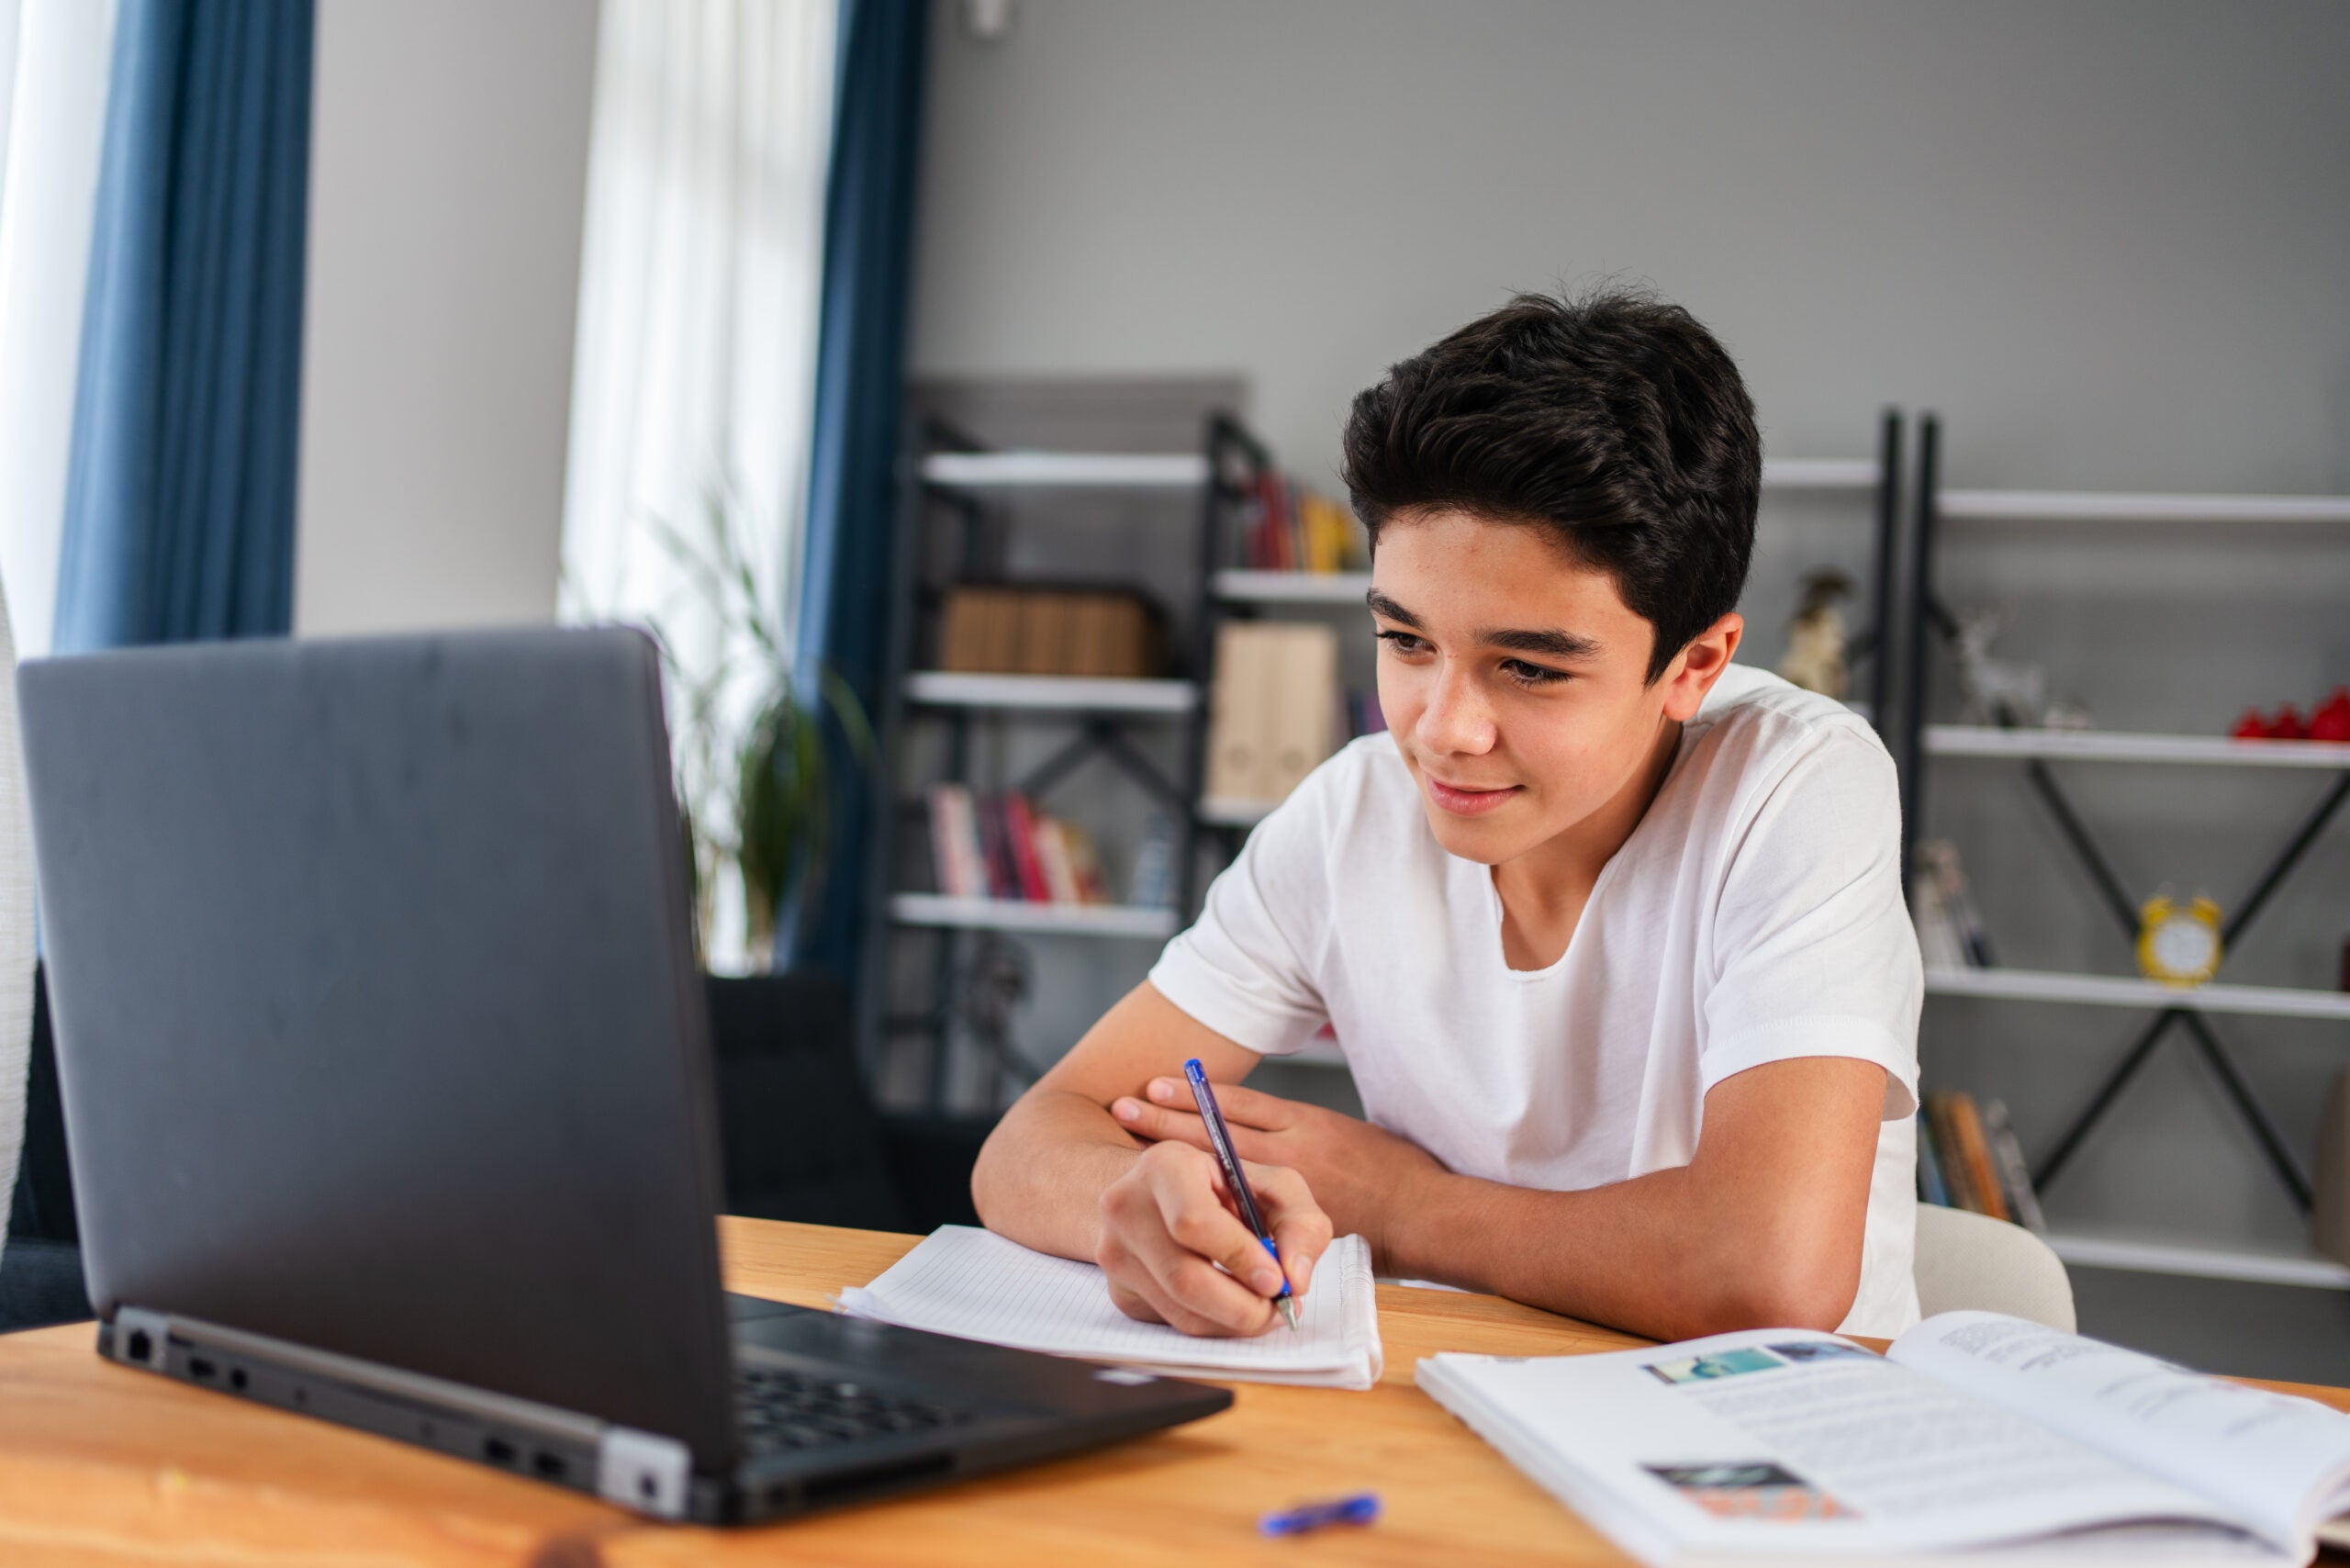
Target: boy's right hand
(1169, 1222)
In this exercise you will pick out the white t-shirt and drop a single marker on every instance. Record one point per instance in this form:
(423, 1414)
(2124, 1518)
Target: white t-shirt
(1754, 914)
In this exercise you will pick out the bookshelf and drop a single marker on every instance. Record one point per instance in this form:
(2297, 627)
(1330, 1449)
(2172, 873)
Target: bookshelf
(960, 505)
(2124, 517)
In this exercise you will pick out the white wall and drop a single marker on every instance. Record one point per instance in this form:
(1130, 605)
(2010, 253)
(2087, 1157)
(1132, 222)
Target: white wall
(2106, 238)
(448, 167)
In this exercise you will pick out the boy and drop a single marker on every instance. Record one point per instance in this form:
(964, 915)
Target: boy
(1610, 932)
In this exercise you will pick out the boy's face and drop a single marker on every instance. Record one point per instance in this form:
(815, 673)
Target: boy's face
(1514, 680)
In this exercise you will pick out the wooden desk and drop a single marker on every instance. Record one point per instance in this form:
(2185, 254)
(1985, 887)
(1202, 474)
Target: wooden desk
(100, 1464)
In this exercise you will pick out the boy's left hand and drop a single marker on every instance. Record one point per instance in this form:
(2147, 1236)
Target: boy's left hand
(1359, 1173)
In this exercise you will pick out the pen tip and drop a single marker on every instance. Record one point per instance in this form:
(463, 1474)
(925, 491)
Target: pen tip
(1289, 1312)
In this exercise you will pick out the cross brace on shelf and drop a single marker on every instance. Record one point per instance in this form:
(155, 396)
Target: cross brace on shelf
(2125, 911)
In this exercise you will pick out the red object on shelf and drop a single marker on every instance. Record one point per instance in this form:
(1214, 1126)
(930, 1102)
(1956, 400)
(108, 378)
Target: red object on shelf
(2250, 727)
(2330, 721)
(2287, 725)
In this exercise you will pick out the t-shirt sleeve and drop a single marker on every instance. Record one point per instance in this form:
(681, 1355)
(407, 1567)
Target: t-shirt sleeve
(1813, 952)
(1244, 968)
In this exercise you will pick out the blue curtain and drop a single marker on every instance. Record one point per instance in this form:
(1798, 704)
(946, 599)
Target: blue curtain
(179, 499)
(860, 388)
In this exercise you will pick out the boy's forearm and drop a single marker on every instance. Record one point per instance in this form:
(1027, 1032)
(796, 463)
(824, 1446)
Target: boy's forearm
(1660, 1255)
(1042, 1172)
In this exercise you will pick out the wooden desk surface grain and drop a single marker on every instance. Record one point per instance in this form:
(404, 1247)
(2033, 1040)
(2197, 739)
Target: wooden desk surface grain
(100, 1464)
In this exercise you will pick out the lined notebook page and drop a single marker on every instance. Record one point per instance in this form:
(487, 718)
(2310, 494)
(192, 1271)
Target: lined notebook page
(977, 1285)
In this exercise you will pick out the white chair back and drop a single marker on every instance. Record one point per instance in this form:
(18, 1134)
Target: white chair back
(1970, 1261)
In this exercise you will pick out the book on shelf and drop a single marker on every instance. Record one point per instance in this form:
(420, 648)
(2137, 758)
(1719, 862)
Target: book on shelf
(1001, 846)
(1976, 1438)
(1153, 883)
(1290, 529)
(1274, 708)
(1020, 832)
(996, 630)
(1931, 1186)
(2015, 1176)
(1969, 1157)
(955, 843)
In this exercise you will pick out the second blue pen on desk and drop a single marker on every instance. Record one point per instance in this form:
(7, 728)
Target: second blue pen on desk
(1229, 1157)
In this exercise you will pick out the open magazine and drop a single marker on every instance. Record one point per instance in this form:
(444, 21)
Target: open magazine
(1974, 1435)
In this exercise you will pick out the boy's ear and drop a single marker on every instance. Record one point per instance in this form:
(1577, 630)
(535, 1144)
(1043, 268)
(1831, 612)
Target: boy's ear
(1695, 668)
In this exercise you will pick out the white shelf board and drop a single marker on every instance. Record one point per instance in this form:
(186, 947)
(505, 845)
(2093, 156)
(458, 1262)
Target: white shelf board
(2111, 991)
(1189, 470)
(2200, 1260)
(1223, 811)
(1294, 587)
(2096, 505)
(2099, 745)
(1067, 470)
(1820, 474)
(1011, 914)
(1059, 693)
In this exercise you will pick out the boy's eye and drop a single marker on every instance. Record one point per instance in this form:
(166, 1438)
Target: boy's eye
(1404, 641)
(1532, 675)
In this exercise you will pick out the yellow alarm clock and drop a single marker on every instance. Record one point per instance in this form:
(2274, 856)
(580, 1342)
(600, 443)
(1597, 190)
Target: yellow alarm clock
(2179, 943)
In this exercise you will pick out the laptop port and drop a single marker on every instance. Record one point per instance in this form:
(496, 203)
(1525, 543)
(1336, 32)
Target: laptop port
(497, 1451)
(201, 1367)
(236, 1378)
(141, 1346)
(550, 1466)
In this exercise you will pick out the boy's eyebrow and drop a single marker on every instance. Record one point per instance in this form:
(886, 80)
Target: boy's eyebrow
(1557, 644)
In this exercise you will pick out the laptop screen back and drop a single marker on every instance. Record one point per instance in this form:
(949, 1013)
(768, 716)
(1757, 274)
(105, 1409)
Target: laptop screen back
(378, 1017)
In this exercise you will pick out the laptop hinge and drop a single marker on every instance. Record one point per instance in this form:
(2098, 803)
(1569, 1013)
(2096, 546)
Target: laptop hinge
(644, 1470)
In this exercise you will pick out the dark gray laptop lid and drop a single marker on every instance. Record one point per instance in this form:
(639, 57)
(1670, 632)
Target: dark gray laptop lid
(378, 1024)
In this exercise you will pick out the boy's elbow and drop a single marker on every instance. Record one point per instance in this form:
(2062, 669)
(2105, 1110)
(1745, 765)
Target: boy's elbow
(988, 1178)
(1802, 1275)
(1785, 1299)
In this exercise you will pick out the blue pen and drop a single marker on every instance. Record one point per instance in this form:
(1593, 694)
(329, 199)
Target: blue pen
(1284, 1302)
(1362, 1508)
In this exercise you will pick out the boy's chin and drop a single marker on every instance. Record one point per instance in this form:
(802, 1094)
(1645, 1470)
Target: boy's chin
(1487, 840)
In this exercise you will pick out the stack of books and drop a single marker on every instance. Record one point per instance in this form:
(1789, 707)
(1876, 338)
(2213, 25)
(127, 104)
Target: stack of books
(1001, 846)
(1968, 1158)
(1276, 708)
(1287, 529)
(1045, 631)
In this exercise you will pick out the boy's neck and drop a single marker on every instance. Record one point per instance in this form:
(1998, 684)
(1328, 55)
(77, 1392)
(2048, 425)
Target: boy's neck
(1544, 890)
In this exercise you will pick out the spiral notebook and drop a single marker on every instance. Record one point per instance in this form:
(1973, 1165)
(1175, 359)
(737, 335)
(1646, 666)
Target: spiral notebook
(977, 1285)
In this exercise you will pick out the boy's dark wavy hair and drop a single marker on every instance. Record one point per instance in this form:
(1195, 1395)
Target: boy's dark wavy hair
(1615, 422)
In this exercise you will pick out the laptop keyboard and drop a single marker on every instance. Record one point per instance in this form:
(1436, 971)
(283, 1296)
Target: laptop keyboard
(783, 1410)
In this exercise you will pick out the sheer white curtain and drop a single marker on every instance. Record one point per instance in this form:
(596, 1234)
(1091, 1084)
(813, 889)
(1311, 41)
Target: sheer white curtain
(694, 370)
(55, 128)
(55, 59)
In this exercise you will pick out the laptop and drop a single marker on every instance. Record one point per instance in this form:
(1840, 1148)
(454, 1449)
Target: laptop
(388, 1093)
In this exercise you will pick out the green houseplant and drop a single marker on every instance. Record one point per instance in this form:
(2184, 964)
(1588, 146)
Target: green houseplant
(755, 766)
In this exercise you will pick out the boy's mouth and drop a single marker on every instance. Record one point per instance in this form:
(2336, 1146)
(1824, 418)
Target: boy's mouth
(1469, 803)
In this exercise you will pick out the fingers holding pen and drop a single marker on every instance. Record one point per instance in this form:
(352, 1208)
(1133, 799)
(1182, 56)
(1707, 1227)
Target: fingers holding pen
(1301, 1230)
(1174, 1251)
